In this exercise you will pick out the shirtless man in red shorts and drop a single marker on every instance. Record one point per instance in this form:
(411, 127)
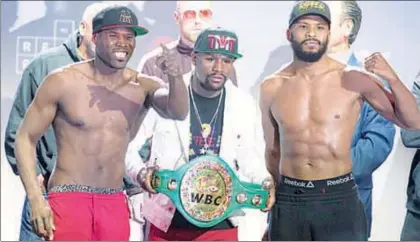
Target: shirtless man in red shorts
(96, 108)
(310, 109)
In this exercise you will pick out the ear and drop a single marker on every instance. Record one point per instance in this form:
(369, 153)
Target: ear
(82, 28)
(289, 34)
(176, 16)
(94, 38)
(194, 58)
(347, 25)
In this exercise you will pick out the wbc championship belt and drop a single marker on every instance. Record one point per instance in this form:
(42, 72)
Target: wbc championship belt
(206, 190)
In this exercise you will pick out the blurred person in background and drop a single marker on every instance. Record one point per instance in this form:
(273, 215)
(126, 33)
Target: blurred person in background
(411, 139)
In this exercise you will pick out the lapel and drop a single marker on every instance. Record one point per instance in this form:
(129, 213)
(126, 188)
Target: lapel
(183, 127)
(228, 135)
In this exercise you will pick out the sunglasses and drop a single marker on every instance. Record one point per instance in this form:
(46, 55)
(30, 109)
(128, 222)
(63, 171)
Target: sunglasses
(192, 14)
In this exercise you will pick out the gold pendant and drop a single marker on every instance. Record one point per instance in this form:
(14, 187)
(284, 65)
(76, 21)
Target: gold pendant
(205, 130)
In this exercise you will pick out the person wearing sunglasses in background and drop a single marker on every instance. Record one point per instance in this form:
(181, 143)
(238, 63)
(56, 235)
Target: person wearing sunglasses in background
(192, 17)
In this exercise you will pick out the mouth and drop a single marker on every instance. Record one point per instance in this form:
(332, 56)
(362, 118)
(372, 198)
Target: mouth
(121, 55)
(217, 78)
(196, 30)
(312, 43)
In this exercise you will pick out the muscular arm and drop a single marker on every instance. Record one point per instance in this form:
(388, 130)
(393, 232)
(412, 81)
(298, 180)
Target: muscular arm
(399, 106)
(270, 130)
(170, 103)
(38, 117)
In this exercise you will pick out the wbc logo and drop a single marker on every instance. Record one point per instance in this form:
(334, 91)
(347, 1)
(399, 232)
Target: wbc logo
(221, 42)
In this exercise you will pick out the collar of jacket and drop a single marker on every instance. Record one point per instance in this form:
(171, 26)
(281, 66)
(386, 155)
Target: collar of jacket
(183, 49)
(71, 44)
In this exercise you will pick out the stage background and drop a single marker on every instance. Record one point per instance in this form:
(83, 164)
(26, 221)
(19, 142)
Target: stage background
(390, 27)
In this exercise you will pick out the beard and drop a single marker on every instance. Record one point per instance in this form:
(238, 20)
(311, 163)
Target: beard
(206, 85)
(308, 56)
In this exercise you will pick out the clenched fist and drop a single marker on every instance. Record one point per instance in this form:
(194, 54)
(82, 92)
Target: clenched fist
(377, 64)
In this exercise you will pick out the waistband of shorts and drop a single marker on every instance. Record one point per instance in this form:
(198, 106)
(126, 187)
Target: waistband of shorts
(84, 188)
(330, 185)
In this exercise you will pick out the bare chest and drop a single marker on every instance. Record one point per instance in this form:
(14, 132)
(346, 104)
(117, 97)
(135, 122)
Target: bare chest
(300, 102)
(93, 107)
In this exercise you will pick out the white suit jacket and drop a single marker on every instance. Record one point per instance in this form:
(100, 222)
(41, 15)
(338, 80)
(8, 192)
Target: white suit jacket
(242, 139)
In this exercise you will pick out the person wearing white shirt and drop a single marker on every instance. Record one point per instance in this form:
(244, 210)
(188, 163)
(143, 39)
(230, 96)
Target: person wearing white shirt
(223, 121)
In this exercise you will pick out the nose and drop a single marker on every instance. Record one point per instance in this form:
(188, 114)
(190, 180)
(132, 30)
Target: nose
(311, 32)
(122, 41)
(218, 66)
(197, 20)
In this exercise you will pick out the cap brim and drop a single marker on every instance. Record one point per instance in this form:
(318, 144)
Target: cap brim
(139, 30)
(311, 13)
(233, 55)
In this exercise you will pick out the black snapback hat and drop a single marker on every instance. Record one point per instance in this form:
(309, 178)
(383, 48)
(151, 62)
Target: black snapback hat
(117, 16)
(303, 8)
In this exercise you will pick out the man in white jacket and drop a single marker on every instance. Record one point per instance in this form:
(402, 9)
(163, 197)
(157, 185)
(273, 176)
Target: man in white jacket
(222, 121)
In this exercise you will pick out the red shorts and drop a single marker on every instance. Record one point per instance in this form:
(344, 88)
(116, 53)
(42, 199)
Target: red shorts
(156, 234)
(90, 216)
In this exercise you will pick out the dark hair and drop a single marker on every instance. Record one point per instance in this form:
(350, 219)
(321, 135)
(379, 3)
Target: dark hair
(350, 9)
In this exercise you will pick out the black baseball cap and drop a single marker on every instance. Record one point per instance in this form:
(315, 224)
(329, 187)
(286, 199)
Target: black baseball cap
(303, 8)
(117, 16)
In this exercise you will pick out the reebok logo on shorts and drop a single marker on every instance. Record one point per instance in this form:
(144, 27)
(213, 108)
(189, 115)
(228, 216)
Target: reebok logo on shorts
(306, 184)
(340, 180)
(318, 183)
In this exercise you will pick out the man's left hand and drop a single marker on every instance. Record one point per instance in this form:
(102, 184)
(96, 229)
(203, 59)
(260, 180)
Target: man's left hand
(168, 63)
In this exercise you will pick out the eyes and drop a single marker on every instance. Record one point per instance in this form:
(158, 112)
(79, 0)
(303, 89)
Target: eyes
(115, 36)
(306, 27)
(212, 59)
(203, 14)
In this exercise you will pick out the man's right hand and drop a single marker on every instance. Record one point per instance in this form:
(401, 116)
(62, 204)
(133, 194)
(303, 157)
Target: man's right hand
(145, 177)
(42, 219)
